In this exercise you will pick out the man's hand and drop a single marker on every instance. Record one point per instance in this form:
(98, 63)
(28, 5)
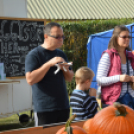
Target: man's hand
(56, 60)
(65, 66)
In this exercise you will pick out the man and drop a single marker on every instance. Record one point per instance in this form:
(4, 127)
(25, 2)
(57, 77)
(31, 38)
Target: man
(50, 98)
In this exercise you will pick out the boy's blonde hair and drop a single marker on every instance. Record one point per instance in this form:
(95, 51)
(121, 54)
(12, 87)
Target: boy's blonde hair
(82, 74)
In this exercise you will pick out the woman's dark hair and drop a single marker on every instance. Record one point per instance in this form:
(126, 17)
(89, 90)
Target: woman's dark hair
(113, 41)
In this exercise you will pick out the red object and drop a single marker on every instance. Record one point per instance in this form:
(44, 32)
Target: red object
(111, 93)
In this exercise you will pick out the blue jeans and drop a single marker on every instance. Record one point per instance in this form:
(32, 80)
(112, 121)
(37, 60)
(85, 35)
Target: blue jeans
(104, 105)
(127, 99)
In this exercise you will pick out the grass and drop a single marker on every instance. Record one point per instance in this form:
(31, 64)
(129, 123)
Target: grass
(12, 122)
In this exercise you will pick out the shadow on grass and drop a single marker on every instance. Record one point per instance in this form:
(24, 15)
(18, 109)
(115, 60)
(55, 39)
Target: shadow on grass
(9, 127)
(12, 122)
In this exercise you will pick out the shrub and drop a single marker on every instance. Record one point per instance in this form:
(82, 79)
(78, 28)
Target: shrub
(77, 34)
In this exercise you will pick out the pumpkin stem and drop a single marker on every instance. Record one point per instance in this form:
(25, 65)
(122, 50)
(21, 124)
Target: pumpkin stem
(68, 128)
(121, 110)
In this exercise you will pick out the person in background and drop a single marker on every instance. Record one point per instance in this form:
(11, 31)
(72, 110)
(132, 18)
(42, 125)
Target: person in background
(116, 69)
(83, 103)
(50, 97)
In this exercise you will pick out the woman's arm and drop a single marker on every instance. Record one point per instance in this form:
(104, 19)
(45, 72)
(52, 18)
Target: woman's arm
(102, 72)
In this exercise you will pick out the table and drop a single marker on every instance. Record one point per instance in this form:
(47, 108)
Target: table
(8, 81)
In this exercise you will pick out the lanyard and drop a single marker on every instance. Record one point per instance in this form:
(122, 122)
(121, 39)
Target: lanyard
(127, 70)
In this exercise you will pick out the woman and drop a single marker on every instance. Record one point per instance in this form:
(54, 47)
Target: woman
(116, 70)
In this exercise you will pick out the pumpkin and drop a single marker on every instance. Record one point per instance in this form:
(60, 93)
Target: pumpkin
(86, 125)
(75, 130)
(71, 129)
(114, 119)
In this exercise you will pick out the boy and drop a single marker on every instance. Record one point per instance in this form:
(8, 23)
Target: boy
(83, 105)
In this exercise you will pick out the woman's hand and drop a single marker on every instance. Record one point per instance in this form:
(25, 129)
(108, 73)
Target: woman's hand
(125, 78)
(132, 78)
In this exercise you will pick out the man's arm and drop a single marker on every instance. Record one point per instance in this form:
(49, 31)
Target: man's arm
(68, 75)
(36, 75)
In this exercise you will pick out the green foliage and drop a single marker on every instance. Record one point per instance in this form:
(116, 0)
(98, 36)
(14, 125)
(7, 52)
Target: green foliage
(77, 34)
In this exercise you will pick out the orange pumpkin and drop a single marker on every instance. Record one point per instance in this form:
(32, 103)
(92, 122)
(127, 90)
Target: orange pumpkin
(86, 125)
(75, 130)
(71, 129)
(117, 119)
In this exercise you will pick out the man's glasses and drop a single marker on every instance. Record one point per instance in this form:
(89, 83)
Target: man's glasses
(124, 37)
(57, 37)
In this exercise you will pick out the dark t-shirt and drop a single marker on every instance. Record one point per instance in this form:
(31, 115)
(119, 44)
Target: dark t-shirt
(50, 93)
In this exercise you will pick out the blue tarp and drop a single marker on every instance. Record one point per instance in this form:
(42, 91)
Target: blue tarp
(97, 43)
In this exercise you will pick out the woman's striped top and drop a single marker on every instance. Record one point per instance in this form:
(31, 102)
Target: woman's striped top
(103, 80)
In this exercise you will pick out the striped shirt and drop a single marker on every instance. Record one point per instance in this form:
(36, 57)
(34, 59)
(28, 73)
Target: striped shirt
(83, 105)
(102, 72)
